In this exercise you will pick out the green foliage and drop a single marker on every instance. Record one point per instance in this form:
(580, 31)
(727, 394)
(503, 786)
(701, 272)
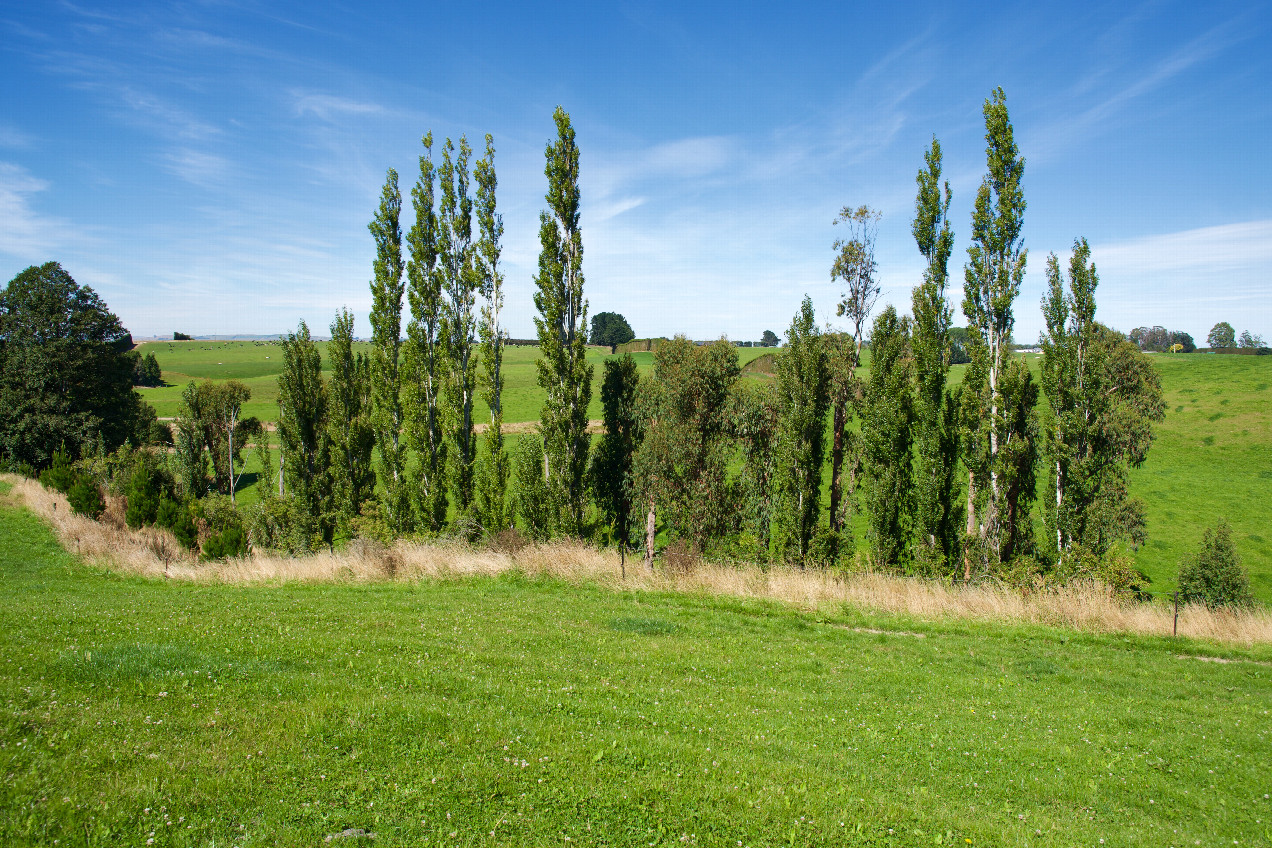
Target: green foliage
(231, 542)
(459, 285)
(348, 422)
(995, 268)
(85, 497)
(179, 518)
(303, 434)
(564, 373)
(1247, 341)
(225, 534)
(754, 412)
(769, 339)
(803, 398)
(210, 430)
(60, 474)
(610, 329)
(144, 492)
(610, 474)
(1160, 339)
(1213, 575)
(425, 355)
(680, 468)
(1105, 397)
(936, 514)
(1222, 335)
(66, 366)
(530, 495)
(181, 337)
(492, 472)
(886, 422)
(386, 341)
(146, 372)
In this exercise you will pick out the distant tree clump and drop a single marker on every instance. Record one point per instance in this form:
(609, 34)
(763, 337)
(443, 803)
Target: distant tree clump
(1249, 341)
(1213, 575)
(66, 370)
(610, 329)
(1161, 340)
(1222, 335)
(181, 337)
(146, 372)
(769, 339)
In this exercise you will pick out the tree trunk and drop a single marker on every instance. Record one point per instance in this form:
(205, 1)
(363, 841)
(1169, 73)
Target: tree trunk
(650, 532)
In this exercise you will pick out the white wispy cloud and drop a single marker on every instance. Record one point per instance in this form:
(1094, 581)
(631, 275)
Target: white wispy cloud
(329, 107)
(24, 232)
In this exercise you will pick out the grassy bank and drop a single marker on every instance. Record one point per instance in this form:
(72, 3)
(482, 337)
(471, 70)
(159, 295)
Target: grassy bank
(517, 709)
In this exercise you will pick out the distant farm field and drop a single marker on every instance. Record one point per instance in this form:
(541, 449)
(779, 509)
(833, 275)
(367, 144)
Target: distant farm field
(525, 711)
(1212, 457)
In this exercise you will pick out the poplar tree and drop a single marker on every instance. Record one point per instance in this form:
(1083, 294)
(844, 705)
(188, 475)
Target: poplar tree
(612, 460)
(803, 383)
(562, 328)
(493, 470)
(854, 267)
(425, 356)
(349, 420)
(935, 408)
(303, 435)
(459, 283)
(386, 343)
(993, 273)
(887, 465)
(1104, 396)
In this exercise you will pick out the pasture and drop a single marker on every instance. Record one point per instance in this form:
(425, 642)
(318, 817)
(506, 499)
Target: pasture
(1212, 456)
(515, 710)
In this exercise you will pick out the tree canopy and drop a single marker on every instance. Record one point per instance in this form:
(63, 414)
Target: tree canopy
(610, 329)
(66, 369)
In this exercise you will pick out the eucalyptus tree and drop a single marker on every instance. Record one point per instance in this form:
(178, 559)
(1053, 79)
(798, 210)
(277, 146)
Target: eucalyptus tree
(425, 353)
(459, 285)
(995, 268)
(935, 409)
(1104, 396)
(349, 420)
(304, 435)
(855, 268)
(754, 413)
(803, 386)
(386, 342)
(562, 328)
(493, 471)
(887, 464)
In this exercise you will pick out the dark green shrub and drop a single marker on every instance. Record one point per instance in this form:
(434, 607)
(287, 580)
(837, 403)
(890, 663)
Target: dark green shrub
(1213, 576)
(143, 495)
(60, 475)
(230, 542)
(86, 498)
(178, 518)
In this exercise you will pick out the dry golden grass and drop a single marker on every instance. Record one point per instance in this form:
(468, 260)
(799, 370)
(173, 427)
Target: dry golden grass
(152, 552)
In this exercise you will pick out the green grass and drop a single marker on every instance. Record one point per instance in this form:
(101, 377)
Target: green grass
(525, 712)
(1212, 456)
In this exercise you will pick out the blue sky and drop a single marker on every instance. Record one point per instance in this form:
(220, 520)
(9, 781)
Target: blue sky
(212, 167)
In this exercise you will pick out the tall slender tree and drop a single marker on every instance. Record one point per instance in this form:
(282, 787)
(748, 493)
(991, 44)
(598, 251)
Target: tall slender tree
(995, 267)
(887, 463)
(562, 327)
(460, 282)
(303, 434)
(611, 469)
(386, 342)
(1104, 397)
(803, 385)
(854, 267)
(492, 481)
(935, 418)
(425, 354)
(349, 421)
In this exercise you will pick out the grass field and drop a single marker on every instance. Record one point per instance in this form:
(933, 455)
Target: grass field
(1212, 456)
(524, 711)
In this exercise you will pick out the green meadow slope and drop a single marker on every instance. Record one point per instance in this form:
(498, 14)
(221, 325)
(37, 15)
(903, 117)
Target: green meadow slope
(512, 711)
(1212, 456)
